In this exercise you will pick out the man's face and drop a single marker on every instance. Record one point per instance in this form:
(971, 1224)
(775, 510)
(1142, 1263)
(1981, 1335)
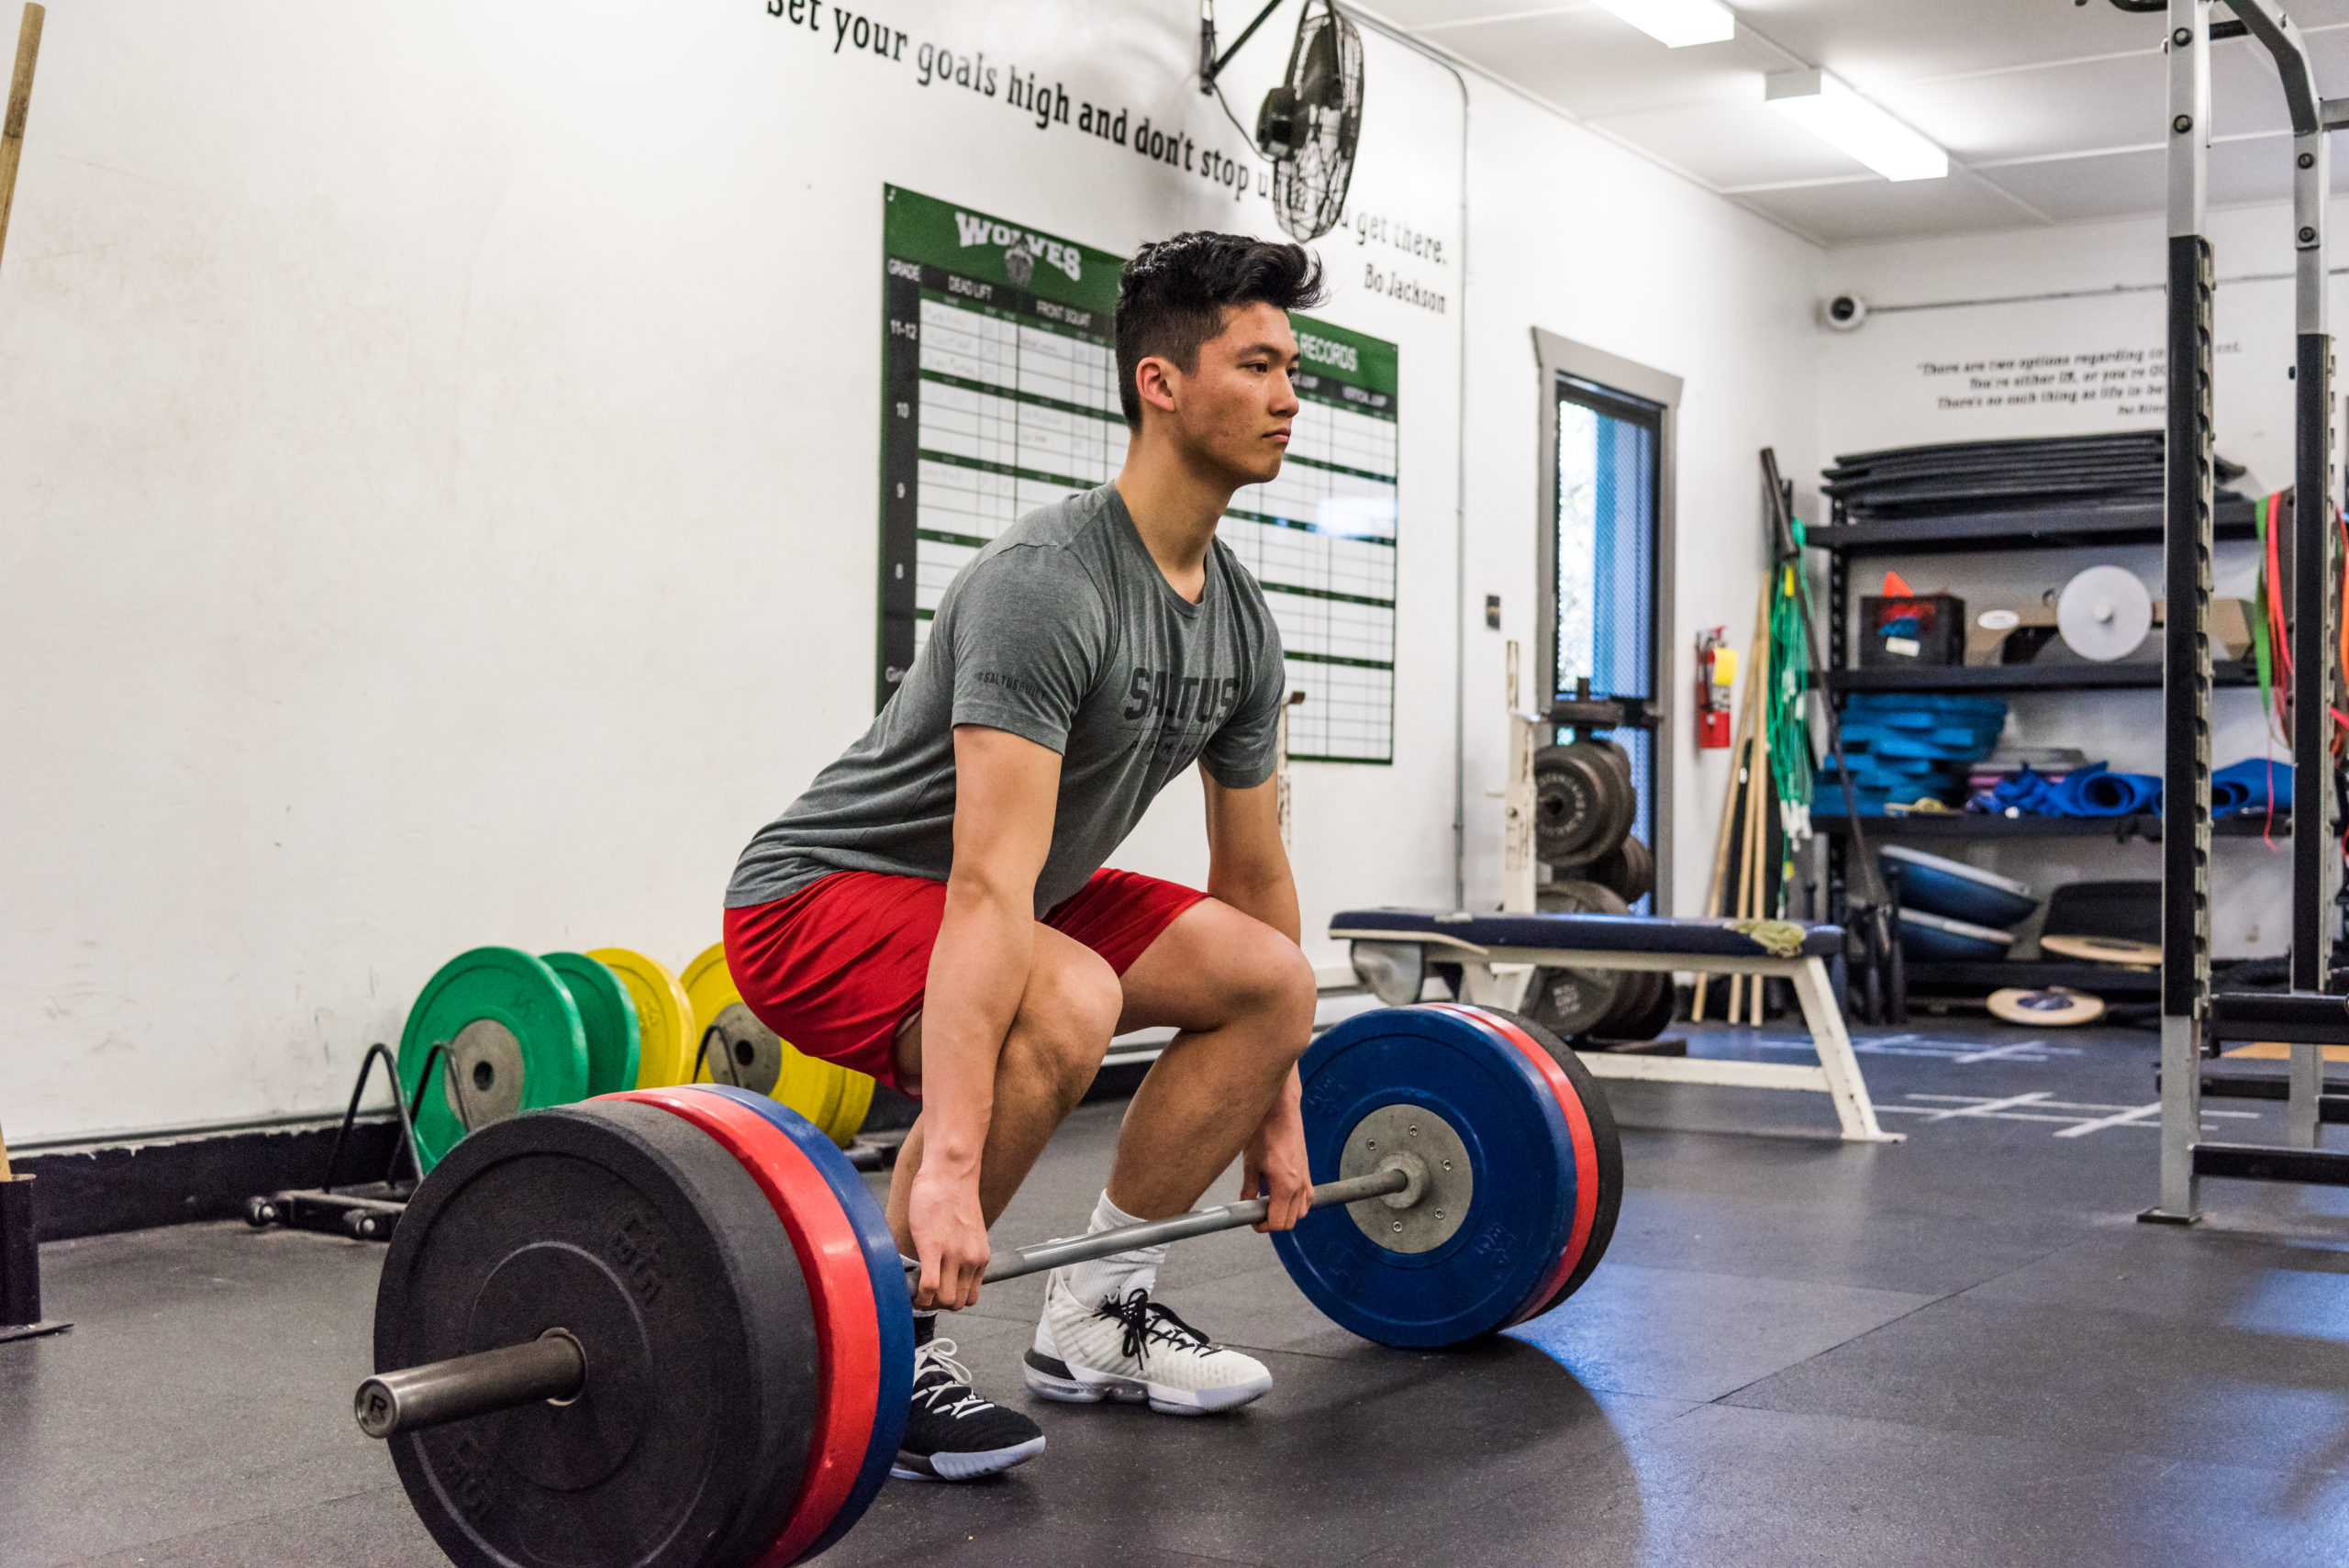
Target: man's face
(1232, 413)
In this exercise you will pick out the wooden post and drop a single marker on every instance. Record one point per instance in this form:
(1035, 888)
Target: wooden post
(1757, 794)
(1739, 744)
(1720, 893)
(20, 97)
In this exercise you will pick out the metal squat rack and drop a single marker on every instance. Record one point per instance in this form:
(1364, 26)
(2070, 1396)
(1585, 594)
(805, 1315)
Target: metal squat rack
(2194, 1022)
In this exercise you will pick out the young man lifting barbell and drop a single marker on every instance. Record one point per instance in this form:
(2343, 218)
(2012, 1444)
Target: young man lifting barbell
(934, 910)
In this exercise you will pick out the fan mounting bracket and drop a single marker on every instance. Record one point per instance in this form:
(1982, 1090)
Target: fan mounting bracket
(1211, 65)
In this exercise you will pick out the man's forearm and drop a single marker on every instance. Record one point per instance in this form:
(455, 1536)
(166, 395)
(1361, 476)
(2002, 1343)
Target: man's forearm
(977, 968)
(1266, 895)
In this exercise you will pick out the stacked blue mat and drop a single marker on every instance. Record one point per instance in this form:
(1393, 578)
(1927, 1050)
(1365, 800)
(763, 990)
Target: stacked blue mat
(2245, 788)
(1902, 747)
(2092, 791)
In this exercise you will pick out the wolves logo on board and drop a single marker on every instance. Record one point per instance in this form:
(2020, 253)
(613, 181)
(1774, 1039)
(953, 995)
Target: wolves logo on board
(1020, 262)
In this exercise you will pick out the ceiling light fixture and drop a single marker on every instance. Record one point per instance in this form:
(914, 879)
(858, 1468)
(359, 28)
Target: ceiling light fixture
(1830, 110)
(1675, 24)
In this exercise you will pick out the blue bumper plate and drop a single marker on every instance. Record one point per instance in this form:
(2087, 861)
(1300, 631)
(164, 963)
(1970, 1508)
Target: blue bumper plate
(1521, 1218)
(892, 1302)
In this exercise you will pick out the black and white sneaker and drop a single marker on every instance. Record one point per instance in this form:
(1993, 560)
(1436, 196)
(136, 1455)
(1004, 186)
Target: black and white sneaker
(952, 1434)
(1134, 1347)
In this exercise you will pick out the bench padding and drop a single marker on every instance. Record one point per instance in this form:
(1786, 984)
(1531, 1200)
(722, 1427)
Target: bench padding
(1585, 933)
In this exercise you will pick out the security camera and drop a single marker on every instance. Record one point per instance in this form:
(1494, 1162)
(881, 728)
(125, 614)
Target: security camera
(1843, 313)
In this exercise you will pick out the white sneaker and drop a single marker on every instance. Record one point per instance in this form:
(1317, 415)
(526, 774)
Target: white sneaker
(1134, 1349)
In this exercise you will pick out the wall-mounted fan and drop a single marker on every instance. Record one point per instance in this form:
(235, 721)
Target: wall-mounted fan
(1308, 125)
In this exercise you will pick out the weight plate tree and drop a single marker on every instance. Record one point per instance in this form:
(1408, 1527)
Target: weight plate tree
(651, 1249)
(1525, 1220)
(665, 1035)
(1662, 1004)
(1624, 799)
(746, 1053)
(1575, 809)
(515, 1040)
(597, 1280)
(1628, 869)
(1606, 1003)
(606, 1015)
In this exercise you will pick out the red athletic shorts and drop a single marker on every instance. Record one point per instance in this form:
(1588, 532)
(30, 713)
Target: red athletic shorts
(837, 966)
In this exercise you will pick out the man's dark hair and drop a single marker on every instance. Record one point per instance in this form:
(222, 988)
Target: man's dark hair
(1171, 298)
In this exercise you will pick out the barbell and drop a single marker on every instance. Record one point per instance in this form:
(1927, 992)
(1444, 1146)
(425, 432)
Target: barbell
(669, 1328)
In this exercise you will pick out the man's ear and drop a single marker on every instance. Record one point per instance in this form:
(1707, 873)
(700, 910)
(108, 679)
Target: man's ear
(1155, 380)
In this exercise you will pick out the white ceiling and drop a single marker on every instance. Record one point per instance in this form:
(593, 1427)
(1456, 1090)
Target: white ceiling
(2051, 112)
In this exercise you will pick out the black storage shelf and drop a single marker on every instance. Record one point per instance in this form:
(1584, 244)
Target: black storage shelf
(2036, 975)
(1974, 825)
(2121, 674)
(2060, 524)
(2039, 527)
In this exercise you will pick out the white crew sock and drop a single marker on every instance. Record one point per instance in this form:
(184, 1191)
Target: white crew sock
(1120, 1273)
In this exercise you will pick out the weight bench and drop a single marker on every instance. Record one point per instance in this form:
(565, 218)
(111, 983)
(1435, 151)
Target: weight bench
(1394, 948)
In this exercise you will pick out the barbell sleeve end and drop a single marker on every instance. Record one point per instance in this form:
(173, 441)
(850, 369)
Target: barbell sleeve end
(552, 1366)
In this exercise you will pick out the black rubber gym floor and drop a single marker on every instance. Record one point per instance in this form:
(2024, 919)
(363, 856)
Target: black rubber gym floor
(1959, 1350)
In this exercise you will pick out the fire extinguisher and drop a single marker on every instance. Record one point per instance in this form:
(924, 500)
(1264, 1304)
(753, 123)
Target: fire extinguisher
(1716, 670)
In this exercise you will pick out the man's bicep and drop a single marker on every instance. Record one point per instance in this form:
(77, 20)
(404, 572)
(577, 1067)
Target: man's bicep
(1007, 788)
(1027, 643)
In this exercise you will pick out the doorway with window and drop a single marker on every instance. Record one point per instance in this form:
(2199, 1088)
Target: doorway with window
(1605, 561)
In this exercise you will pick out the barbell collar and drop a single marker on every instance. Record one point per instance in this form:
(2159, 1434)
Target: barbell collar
(552, 1366)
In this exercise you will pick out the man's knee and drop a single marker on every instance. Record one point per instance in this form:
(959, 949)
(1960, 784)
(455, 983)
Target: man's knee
(1269, 977)
(1068, 1012)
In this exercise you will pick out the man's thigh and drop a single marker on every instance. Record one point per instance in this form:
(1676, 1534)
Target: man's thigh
(835, 967)
(1053, 953)
(1206, 969)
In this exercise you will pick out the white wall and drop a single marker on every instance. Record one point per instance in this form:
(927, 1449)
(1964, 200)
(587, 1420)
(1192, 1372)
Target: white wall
(1889, 383)
(1573, 234)
(440, 454)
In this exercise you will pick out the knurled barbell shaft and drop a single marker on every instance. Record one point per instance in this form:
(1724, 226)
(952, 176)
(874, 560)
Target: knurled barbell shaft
(1036, 1258)
(550, 1367)
(553, 1367)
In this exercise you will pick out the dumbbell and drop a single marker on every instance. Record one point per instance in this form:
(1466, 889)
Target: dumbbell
(671, 1325)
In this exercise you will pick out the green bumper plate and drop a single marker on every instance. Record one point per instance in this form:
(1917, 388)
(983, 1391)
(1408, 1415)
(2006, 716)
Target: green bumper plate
(516, 1043)
(608, 1016)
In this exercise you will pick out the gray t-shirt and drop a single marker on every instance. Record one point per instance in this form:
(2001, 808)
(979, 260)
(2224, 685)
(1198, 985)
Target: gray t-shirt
(1062, 631)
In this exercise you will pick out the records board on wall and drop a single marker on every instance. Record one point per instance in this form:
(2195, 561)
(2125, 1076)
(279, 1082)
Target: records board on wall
(999, 395)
